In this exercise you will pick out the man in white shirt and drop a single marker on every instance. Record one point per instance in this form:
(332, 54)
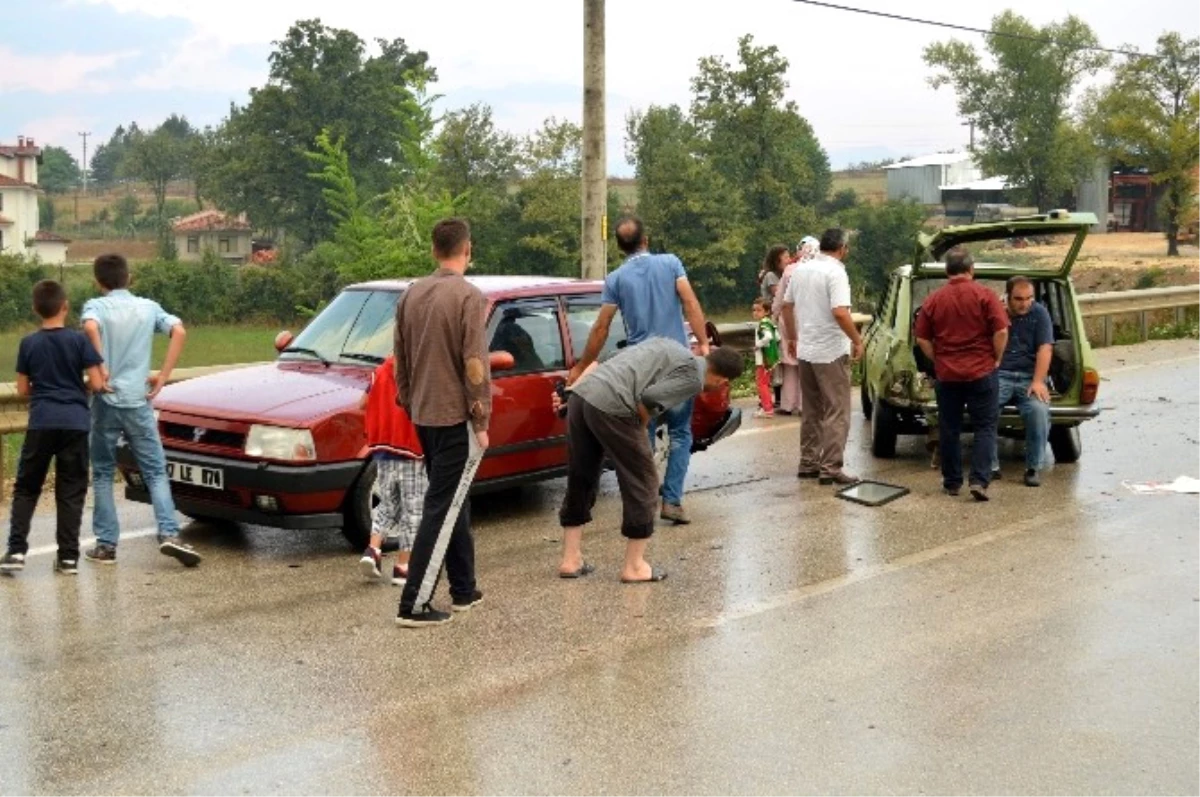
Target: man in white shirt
(816, 316)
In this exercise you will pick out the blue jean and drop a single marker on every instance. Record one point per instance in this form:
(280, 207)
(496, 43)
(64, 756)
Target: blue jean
(1035, 414)
(141, 432)
(979, 398)
(679, 428)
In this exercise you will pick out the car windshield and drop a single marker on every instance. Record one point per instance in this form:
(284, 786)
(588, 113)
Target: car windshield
(355, 327)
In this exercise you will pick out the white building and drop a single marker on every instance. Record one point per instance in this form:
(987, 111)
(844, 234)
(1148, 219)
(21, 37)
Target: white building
(20, 231)
(922, 178)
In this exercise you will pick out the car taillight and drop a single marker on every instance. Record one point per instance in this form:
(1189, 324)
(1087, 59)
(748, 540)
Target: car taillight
(1091, 386)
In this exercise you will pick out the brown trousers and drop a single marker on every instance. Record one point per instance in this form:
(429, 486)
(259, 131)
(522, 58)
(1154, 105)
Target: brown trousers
(590, 435)
(825, 395)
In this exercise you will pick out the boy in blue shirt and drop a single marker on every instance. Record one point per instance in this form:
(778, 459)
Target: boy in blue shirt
(50, 366)
(122, 327)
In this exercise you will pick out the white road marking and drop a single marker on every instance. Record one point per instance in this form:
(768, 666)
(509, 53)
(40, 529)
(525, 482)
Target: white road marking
(87, 541)
(801, 594)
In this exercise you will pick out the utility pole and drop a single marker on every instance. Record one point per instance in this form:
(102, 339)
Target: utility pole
(594, 230)
(84, 136)
(971, 125)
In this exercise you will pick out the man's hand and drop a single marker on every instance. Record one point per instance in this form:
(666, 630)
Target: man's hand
(856, 350)
(1039, 391)
(704, 349)
(102, 385)
(556, 401)
(154, 384)
(482, 439)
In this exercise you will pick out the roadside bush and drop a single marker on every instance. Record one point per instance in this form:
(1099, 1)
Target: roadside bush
(264, 293)
(17, 278)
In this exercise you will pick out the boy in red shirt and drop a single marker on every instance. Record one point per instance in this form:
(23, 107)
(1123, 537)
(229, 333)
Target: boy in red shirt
(399, 477)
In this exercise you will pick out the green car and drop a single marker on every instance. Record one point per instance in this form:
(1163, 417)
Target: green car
(898, 386)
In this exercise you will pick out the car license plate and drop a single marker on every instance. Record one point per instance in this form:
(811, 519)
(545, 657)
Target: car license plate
(194, 474)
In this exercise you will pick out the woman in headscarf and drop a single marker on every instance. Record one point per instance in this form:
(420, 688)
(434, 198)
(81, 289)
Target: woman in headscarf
(788, 400)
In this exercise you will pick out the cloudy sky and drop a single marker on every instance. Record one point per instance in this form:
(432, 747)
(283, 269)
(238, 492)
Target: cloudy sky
(73, 65)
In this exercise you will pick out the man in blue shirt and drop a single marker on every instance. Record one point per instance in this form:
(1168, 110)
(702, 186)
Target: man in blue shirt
(121, 326)
(653, 294)
(1023, 372)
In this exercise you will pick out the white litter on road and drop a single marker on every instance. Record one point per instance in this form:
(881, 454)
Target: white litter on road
(1182, 484)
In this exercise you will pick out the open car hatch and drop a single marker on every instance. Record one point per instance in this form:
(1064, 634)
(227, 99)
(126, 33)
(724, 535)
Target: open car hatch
(1044, 245)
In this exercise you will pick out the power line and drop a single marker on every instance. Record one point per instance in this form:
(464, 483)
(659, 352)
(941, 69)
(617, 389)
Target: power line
(968, 29)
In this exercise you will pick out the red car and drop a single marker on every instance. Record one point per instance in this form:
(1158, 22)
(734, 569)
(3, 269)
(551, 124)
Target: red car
(283, 444)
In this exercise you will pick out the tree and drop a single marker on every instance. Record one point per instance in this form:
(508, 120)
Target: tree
(884, 237)
(105, 165)
(478, 163)
(1150, 116)
(688, 207)
(59, 172)
(761, 144)
(320, 79)
(47, 213)
(548, 201)
(1020, 104)
(157, 158)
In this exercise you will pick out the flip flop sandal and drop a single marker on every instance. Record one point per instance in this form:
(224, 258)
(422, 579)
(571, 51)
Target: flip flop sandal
(656, 574)
(584, 570)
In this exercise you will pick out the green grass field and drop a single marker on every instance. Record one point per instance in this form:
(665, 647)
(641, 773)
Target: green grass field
(214, 345)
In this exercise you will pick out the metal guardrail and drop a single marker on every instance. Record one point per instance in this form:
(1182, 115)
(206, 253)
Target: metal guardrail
(740, 334)
(1142, 302)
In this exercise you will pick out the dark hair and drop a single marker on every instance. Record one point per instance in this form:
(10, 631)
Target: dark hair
(833, 239)
(48, 298)
(725, 362)
(111, 271)
(630, 234)
(958, 261)
(449, 237)
(763, 303)
(1013, 282)
(774, 255)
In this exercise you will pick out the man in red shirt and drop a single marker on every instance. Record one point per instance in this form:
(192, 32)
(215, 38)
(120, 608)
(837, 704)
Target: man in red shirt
(963, 329)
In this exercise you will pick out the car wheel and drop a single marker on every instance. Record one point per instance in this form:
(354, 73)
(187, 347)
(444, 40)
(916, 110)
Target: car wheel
(866, 401)
(1066, 444)
(884, 430)
(356, 523)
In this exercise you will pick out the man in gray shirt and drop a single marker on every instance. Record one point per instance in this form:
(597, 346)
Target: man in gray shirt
(608, 414)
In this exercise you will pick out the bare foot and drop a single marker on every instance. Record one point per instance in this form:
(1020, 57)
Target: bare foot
(641, 571)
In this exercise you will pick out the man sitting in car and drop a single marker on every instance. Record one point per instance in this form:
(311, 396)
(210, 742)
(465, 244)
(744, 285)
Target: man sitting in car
(1023, 372)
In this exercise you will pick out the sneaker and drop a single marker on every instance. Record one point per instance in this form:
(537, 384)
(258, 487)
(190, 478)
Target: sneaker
(463, 604)
(425, 618)
(399, 575)
(369, 564)
(1031, 478)
(104, 554)
(997, 475)
(68, 567)
(979, 492)
(953, 492)
(186, 554)
(12, 562)
(675, 514)
(808, 474)
(841, 477)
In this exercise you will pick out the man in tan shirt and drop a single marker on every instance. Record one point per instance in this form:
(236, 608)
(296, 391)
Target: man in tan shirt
(443, 382)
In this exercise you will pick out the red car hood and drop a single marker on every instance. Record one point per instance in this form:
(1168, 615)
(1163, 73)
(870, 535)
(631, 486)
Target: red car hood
(286, 394)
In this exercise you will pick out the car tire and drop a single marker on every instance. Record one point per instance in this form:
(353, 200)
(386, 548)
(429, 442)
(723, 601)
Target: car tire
(885, 427)
(1066, 444)
(866, 401)
(356, 521)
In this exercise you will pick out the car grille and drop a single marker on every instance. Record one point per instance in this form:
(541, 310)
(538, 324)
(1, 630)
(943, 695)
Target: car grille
(208, 437)
(205, 494)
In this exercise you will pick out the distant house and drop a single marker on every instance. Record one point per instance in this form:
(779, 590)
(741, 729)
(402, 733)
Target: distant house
(226, 235)
(961, 200)
(20, 231)
(921, 179)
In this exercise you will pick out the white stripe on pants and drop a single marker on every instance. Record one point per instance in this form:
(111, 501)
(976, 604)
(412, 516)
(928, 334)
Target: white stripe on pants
(474, 456)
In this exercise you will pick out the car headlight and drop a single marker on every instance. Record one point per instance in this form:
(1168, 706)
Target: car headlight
(277, 442)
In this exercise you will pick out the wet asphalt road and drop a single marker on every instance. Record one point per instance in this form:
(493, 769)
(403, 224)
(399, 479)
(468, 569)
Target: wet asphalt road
(1045, 642)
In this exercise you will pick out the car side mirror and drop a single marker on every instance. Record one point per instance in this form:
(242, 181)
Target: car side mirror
(501, 361)
(283, 339)
(714, 337)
